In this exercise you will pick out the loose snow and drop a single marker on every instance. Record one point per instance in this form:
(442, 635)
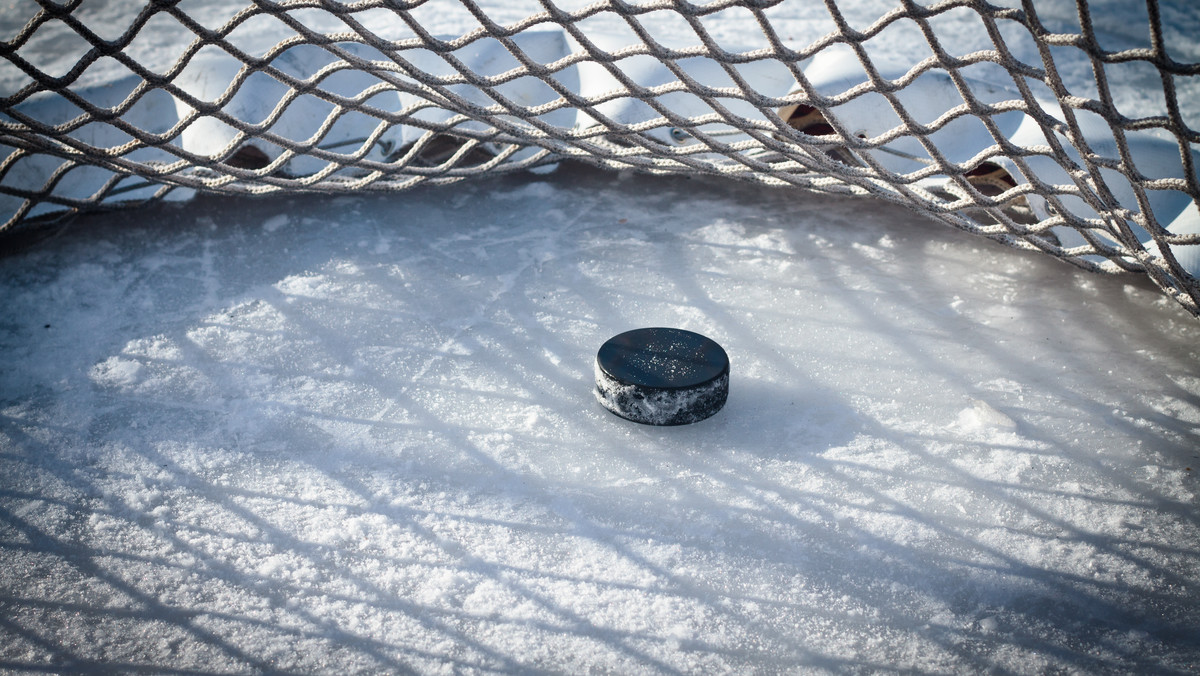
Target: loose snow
(357, 435)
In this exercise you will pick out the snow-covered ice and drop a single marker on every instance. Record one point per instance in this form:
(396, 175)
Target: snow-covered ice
(357, 434)
(362, 438)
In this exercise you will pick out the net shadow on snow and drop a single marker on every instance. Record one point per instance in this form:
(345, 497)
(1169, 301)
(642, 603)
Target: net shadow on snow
(362, 437)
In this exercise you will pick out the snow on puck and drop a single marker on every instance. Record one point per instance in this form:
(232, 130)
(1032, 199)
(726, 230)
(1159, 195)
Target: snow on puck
(660, 376)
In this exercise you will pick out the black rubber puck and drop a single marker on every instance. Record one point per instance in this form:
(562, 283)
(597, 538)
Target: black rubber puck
(660, 376)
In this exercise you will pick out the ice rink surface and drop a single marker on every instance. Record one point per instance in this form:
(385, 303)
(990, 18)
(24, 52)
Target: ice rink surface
(319, 434)
(357, 434)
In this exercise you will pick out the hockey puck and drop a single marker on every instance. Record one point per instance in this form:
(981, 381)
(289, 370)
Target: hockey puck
(660, 376)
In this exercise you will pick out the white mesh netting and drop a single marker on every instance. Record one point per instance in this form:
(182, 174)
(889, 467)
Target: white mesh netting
(364, 96)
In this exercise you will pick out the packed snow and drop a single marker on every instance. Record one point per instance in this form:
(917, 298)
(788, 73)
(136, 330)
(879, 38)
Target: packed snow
(358, 434)
(317, 434)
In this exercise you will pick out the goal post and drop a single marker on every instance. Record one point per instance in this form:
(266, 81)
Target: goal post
(1028, 139)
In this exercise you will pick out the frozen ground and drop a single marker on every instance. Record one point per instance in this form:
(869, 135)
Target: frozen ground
(357, 434)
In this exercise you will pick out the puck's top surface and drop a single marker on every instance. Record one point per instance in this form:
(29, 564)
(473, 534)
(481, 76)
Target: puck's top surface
(662, 358)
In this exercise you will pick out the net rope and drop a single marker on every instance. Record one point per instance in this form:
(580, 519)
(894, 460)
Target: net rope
(1022, 159)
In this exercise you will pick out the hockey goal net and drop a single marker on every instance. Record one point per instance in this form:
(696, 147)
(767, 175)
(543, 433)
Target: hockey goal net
(998, 140)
